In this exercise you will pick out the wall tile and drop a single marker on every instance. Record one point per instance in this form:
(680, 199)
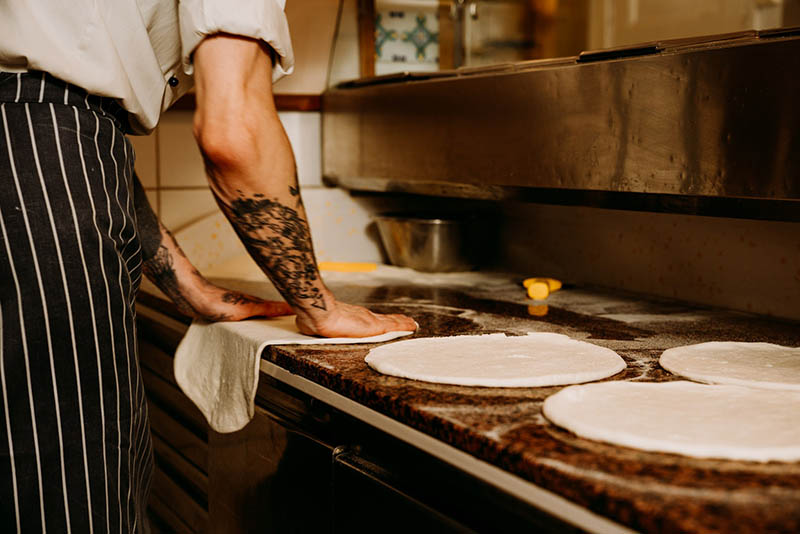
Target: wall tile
(303, 130)
(406, 36)
(179, 157)
(146, 165)
(344, 61)
(180, 207)
(312, 24)
(182, 166)
(210, 242)
(342, 229)
(152, 198)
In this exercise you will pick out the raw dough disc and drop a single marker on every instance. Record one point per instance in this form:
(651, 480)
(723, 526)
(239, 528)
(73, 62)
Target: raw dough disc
(704, 421)
(497, 360)
(761, 365)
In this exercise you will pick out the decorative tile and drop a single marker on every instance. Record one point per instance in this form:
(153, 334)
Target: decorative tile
(382, 35)
(406, 36)
(421, 37)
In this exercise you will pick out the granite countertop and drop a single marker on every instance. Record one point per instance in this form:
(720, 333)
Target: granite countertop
(649, 492)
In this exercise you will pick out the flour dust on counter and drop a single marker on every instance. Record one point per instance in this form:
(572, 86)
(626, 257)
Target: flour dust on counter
(760, 365)
(497, 360)
(686, 418)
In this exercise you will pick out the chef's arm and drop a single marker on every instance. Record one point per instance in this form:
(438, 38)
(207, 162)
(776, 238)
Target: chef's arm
(251, 172)
(165, 264)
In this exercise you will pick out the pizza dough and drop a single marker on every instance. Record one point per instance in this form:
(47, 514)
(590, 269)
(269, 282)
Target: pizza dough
(704, 421)
(497, 360)
(761, 365)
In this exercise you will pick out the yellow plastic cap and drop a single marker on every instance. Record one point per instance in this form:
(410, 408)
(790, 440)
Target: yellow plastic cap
(538, 290)
(552, 283)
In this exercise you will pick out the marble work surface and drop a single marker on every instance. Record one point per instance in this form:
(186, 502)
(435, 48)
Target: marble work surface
(648, 492)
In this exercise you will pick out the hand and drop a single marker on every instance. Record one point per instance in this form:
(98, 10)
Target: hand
(348, 320)
(169, 268)
(219, 304)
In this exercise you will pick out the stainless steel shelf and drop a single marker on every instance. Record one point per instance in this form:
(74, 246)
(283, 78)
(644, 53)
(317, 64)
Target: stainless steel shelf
(707, 126)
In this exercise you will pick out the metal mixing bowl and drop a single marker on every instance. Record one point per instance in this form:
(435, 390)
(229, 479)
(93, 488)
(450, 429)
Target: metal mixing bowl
(431, 243)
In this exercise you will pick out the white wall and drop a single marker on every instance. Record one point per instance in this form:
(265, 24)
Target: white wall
(169, 164)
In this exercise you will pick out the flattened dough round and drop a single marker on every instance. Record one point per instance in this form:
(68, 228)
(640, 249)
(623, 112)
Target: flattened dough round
(761, 365)
(700, 420)
(497, 360)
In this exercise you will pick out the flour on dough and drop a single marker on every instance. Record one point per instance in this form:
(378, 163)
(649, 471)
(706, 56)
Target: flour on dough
(497, 360)
(761, 365)
(700, 420)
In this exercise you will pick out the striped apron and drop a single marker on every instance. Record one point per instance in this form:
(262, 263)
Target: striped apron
(75, 449)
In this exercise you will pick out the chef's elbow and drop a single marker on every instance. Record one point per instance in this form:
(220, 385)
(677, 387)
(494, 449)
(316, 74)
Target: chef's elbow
(227, 143)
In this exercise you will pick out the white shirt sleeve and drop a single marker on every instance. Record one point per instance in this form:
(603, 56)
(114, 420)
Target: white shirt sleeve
(258, 19)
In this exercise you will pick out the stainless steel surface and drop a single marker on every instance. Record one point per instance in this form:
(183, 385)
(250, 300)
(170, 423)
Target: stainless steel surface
(706, 126)
(431, 244)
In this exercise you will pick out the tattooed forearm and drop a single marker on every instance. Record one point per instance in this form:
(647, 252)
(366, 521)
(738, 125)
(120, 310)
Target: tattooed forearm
(146, 221)
(294, 190)
(232, 297)
(161, 270)
(279, 239)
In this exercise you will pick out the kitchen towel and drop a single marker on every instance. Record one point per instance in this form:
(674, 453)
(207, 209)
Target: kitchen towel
(217, 364)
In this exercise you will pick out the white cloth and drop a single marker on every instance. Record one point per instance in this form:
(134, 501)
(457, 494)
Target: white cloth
(217, 364)
(130, 49)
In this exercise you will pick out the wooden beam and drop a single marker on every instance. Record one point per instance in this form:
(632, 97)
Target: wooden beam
(283, 102)
(447, 36)
(366, 38)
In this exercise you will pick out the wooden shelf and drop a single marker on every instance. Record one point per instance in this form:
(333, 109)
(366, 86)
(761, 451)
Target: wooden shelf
(283, 102)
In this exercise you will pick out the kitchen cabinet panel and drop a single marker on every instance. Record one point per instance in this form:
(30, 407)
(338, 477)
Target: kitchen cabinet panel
(172, 400)
(302, 466)
(188, 444)
(268, 477)
(183, 506)
(365, 499)
(193, 479)
(163, 518)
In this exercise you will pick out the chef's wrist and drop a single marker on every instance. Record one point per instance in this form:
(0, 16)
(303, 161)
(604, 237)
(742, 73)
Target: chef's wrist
(317, 309)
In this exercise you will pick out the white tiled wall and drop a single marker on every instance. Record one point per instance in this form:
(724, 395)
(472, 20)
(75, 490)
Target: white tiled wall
(180, 163)
(181, 207)
(172, 172)
(304, 132)
(146, 159)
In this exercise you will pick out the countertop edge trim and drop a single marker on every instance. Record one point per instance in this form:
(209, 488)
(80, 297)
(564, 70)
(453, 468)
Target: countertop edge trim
(541, 498)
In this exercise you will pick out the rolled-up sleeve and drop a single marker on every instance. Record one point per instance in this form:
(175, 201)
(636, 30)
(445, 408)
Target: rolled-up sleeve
(258, 19)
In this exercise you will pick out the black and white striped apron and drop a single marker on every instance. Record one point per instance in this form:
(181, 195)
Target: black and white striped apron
(75, 450)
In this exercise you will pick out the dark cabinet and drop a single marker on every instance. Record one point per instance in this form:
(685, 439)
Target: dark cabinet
(365, 499)
(303, 466)
(269, 477)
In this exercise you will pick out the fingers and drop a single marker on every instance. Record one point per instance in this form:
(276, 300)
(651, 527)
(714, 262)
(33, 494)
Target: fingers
(271, 308)
(396, 321)
(348, 320)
